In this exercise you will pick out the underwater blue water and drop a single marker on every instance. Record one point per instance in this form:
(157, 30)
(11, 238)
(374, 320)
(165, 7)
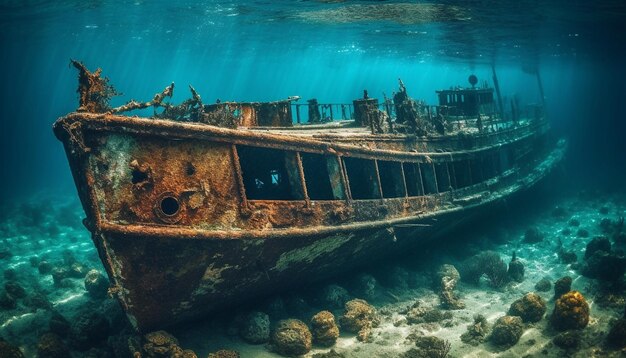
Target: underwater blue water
(329, 50)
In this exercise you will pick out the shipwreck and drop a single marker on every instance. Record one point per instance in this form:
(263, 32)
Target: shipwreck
(203, 206)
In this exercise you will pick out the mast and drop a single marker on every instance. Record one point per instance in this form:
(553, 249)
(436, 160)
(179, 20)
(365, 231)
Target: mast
(497, 86)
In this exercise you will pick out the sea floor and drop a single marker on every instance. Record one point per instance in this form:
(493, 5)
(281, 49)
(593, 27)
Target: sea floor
(45, 254)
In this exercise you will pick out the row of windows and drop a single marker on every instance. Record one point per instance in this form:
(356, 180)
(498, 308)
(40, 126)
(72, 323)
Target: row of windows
(270, 174)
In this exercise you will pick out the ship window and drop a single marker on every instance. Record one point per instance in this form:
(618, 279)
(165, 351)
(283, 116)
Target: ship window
(413, 179)
(462, 174)
(323, 177)
(169, 205)
(477, 175)
(362, 178)
(428, 178)
(391, 179)
(489, 168)
(443, 180)
(269, 174)
(505, 160)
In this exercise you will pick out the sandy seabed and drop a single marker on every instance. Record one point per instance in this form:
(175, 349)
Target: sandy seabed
(49, 229)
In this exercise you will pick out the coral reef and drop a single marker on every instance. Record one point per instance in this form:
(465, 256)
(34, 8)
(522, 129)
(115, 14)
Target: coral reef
(530, 308)
(447, 277)
(477, 332)
(571, 311)
(516, 269)
(562, 286)
(507, 331)
(255, 328)
(291, 337)
(324, 329)
(359, 317)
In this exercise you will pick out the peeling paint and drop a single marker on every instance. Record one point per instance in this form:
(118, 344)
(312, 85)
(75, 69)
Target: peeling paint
(309, 253)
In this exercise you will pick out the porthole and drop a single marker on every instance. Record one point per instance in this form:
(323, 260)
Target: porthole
(168, 208)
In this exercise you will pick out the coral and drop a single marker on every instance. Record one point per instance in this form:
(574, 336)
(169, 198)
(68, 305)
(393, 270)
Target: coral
(89, 329)
(571, 311)
(599, 243)
(291, 338)
(544, 285)
(562, 286)
(50, 345)
(568, 340)
(7, 350)
(324, 329)
(255, 328)
(507, 331)
(516, 269)
(96, 284)
(359, 317)
(429, 347)
(447, 277)
(224, 353)
(334, 296)
(477, 332)
(530, 308)
(533, 236)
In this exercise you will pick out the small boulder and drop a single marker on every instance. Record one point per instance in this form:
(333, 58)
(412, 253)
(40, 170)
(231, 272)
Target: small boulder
(516, 269)
(255, 328)
(571, 311)
(446, 278)
(617, 334)
(530, 308)
(15, 289)
(59, 274)
(161, 344)
(507, 331)
(96, 284)
(324, 329)
(58, 324)
(334, 296)
(568, 340)
(477, 332)
(367, 286)
(544, 285)
(360, 317)
(7, 350)
(89, 329)
(77, 270)
(38, 301)
(224, 353)
(599, 243)
(44, 267)
(51, 345)
(582, 233)
(605, 266)
(7, 302)
(291, 338)
(533, 236)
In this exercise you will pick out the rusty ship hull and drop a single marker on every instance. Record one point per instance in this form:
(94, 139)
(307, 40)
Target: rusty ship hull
(190, 218)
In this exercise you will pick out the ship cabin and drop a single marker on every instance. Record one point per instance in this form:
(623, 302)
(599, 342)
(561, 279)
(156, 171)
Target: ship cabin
(461, 103)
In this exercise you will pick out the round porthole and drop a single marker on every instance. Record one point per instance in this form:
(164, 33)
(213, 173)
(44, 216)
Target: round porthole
(167, 208)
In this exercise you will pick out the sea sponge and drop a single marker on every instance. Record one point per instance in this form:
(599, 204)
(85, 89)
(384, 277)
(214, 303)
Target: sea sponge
(516, 269)
(507, 331)
(562, 286)
(599, 243)
(224, 353)
(571, 311)
(530, 308)
(446, 279)
(476, 332)
(325, 330)
(544, 285)
(291, 338)
(360, 317)
(431, 347)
